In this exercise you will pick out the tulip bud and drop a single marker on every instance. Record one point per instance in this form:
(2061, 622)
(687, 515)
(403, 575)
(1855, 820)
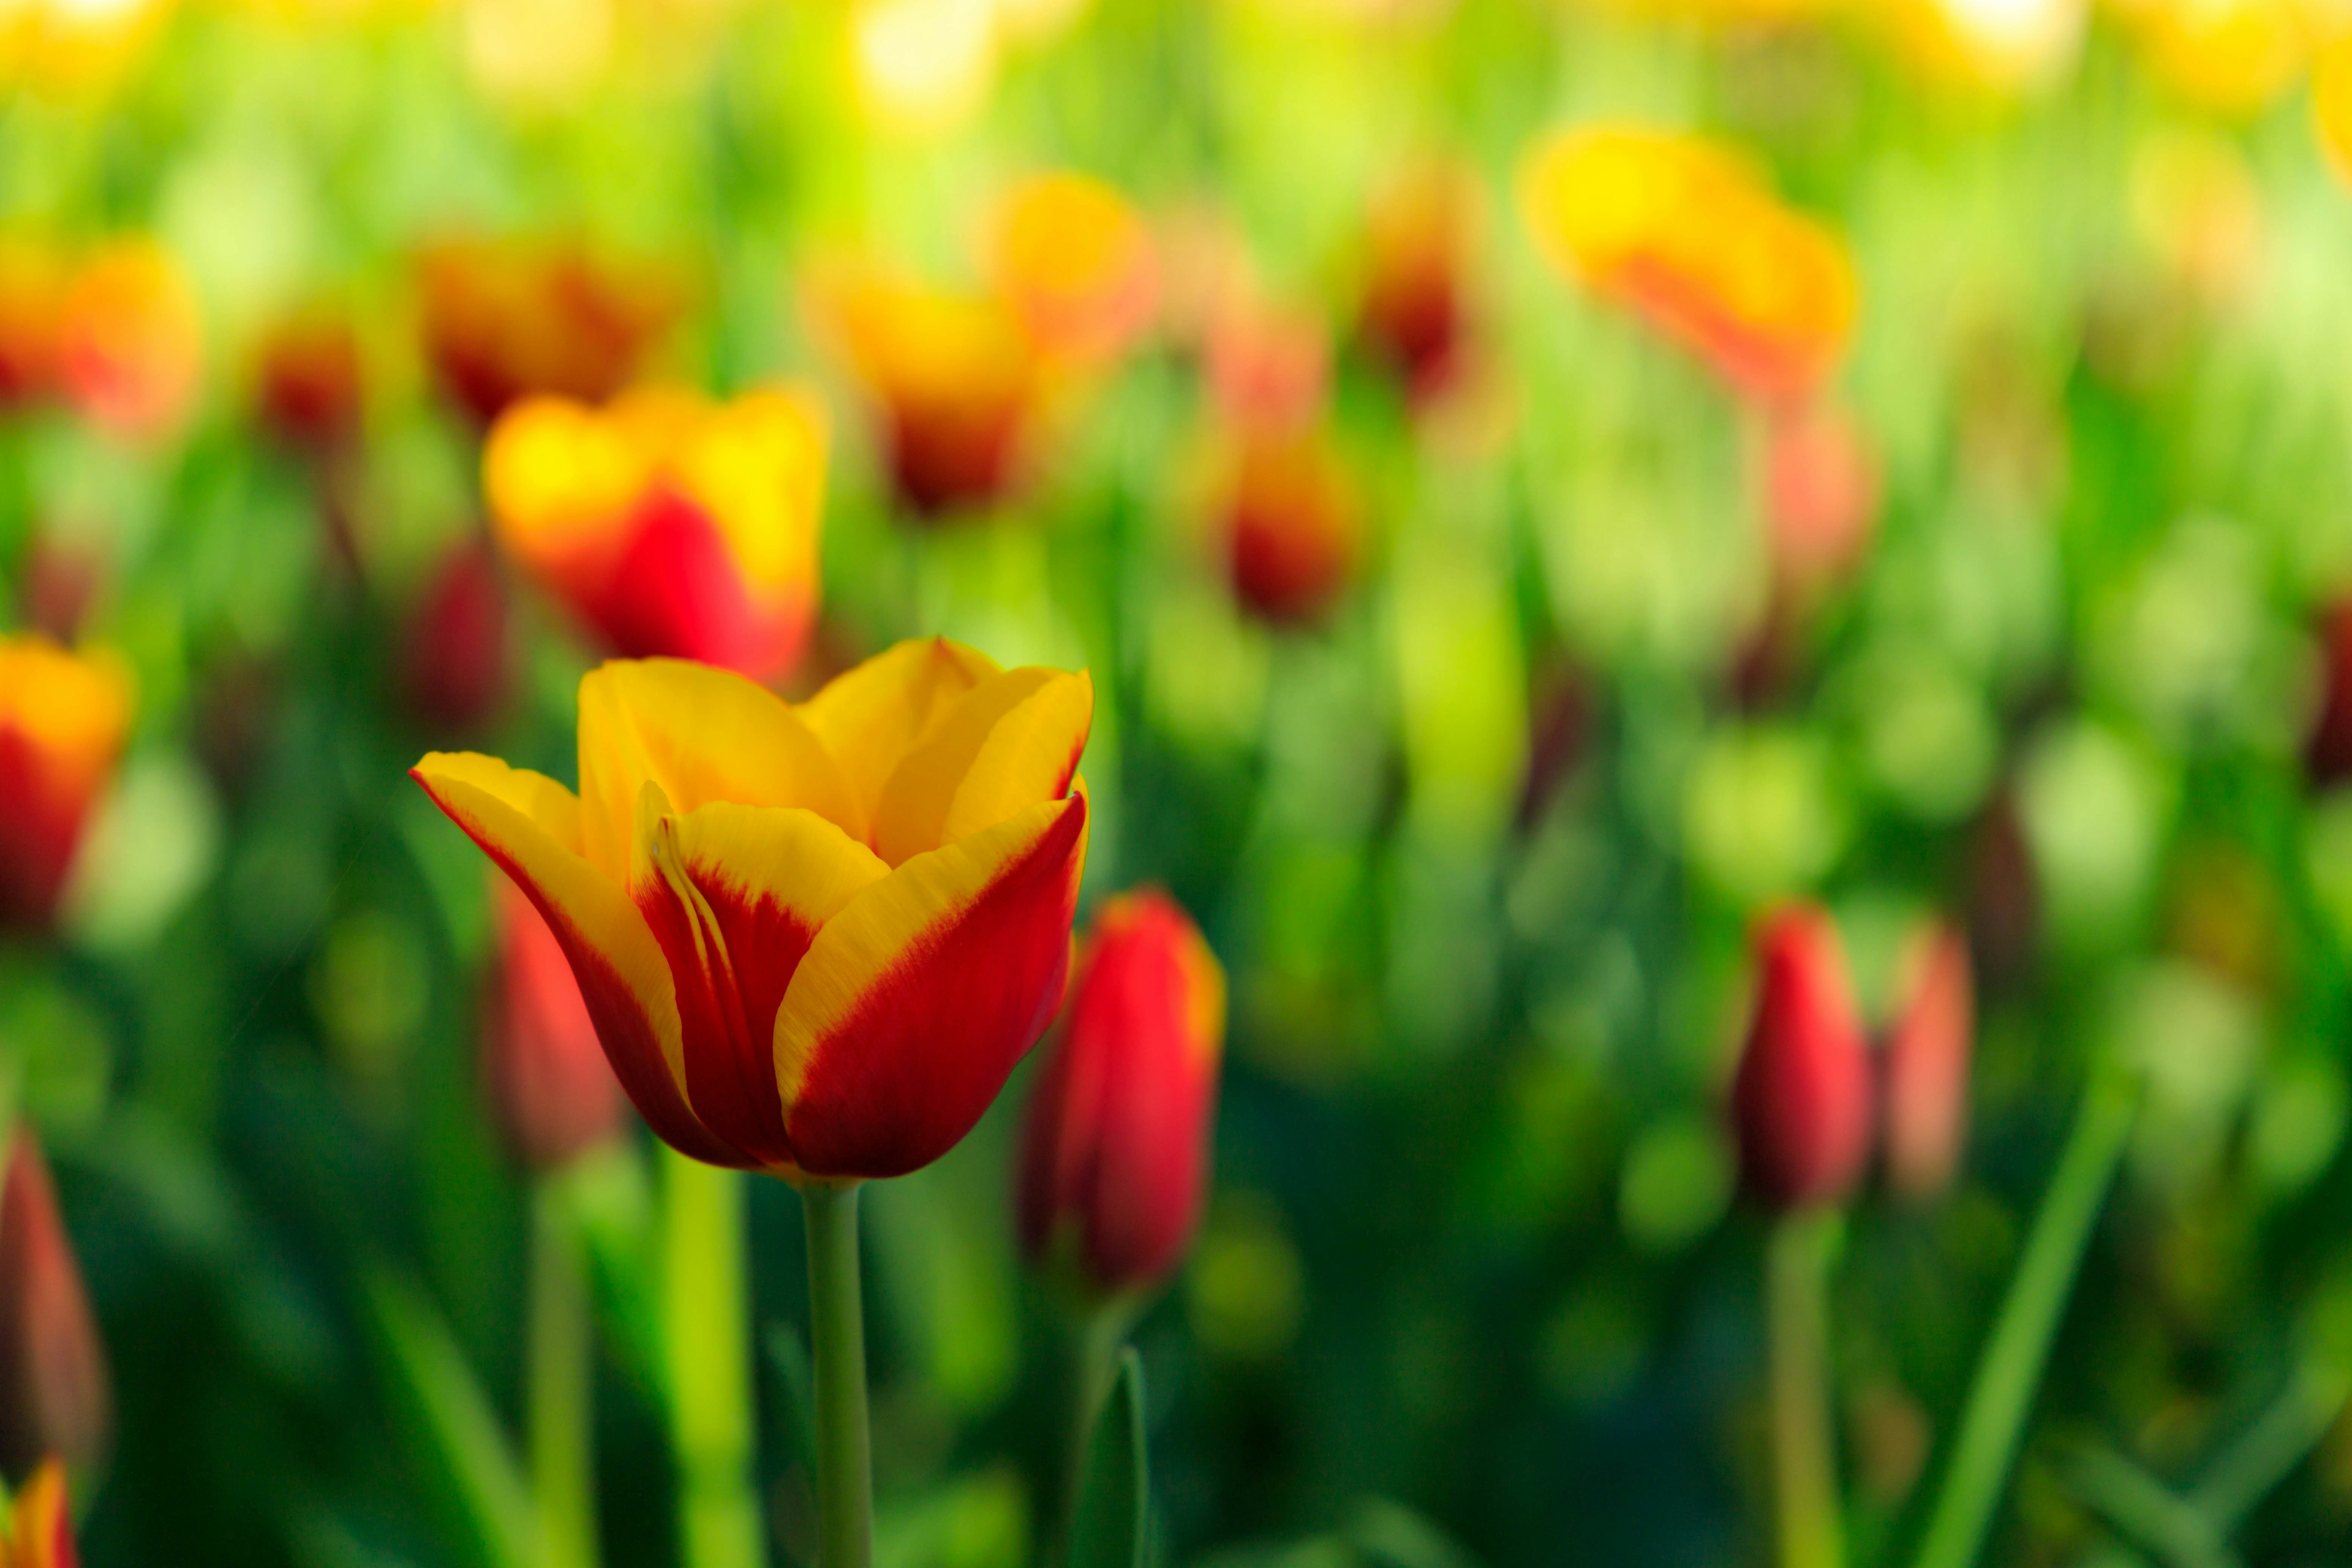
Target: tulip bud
(55, 1395)
(62, 719)
(41, 1524)
(1294, 526)
(1115, 1154)
(1926, 1068)
(308, 386)
(1800, 1103)
(1416, 309)
(550, 1087)
(453, 664)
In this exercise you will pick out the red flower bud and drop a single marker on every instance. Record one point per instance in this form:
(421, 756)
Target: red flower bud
(453, 663)
(1294, 525)
(1415, 309)
(550, 1089)
(62, 720)
(1800, 1103)
(1115, 1154)
(55, 1395)
(1926, 1068)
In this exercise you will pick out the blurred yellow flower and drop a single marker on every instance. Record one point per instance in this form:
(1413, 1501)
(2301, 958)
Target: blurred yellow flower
(2004, 45)
(1685, 232)
(74, 45)
(2200, 207)
(1074, 261)
(63, 717)
(2236, 57)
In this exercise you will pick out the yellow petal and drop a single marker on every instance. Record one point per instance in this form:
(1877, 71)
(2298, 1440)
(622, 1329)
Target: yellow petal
(703, 735)
(869, 717)
(1010, 741)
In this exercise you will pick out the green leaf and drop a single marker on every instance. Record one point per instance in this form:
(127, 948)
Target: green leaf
(458, 1432)
(1107, 1528)
(794, 1381)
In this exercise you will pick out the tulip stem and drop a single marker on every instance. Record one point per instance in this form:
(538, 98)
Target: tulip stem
(709, 1347)
(2008, 1371)
(561, 1374)
(1095, 1339)
(1804, 1451)
(845, 1463)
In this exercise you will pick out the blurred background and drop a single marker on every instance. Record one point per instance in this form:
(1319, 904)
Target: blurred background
(1538, 484)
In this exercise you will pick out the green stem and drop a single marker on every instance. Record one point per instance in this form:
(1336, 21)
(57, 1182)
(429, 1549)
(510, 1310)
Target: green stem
(709, 1346)
(2008, 1371)
(2273, 1446)
(562, 1375)
(1803, 1441)
(1095, 1342)
(845, 1464)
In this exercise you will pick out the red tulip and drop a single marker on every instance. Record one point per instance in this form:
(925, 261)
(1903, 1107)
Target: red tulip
(1115, 1155)
(55, 1395)
(453, 664)
(553, 1092)
(1292, 524)
(62, 720)
(1800, 1103)
(508, 319)
(307, 386)
(1926, 1067)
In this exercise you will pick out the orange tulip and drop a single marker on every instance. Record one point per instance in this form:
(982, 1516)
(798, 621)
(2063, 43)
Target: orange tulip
(1684, 233)
(1115, 1155)
(40, 1533)
(62, 720)
(954, 376)
(549, 1089)
(671, 525)
(1926, 1068)
(1292, 523)
(56, 1394)
(130, 339)
(1075, 263)
(1415, 312)
(814, 937)
(508, 319)
(1801, 1101)
(1820, 498)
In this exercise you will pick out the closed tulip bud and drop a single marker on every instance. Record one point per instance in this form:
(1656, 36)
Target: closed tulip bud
(1293, 525)
(452, 657)
(62, 720)
(551, 1089)
(130, 340)
(1115, 1155)
(1801, 1101)
(40, 1533)
(1926, 1068)
(55, 1395)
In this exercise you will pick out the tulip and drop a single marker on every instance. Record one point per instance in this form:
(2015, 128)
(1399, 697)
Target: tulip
(2235, 57)
(1926, 1068)
(452, 657)
(1076, 264)
(1268, 368)
(668, 524)
(55, 1395)
(1801, 1101)
(130, 339)
(1681, 232)
(814, 938)
(1415, 311)
(62, 720)
(1820, 498)
(955, 378)
(1292, 520)
(2327, 747)
(506, 319)
(551, 1089)
(40, 1533)
(307, 385)
(1115, 1155)
(32, 292)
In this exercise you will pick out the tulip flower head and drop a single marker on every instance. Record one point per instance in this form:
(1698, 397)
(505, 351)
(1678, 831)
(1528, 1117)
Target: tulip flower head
(307, 384)
(1800, 1103)
(56, 1393)
(506, 319)
(40, 1523)
(32, 294)
(1291, 517)
(551, 1089)
(1926, 1068)
(63, 717)
(1415, 312)
(814, 937)
(1820, 498)
(1115, 1155)
(1684, 234)
(453, 655)
(668, 524)
(130, 339)
(1076, 264)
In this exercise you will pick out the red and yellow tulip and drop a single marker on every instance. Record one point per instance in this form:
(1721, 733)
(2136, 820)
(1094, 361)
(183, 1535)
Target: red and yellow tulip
(669, 524)
(63, 717)
(55, 1392)
(1686, 234)
(814, 937)
(40, 1523)
(1419, 235)
(504, 320)
(130, 339)
(1115, 1155)
(1291, 520)
(1073, 259)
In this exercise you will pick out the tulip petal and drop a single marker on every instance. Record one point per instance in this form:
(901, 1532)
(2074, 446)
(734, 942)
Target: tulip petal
(528, 825)
(917, 999)
(703, 735)
(735, 894)
(1009, 742)
(870, 716)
